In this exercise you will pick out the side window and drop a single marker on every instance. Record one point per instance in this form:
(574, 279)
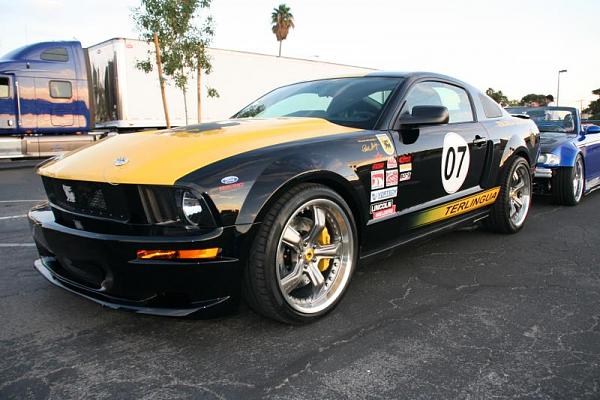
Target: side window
(61, 90)
(55, 54)
(4, 88)
(452, 97)
(490, 108)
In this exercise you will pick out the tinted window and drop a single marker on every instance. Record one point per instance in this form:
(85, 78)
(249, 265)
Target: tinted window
(60, 90)
(452, 97)
(4, 88)
(354, 102)
(55, 54)
(490, 107)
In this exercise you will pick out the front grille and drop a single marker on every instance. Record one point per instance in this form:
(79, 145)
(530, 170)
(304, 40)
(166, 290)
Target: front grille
(89, 198)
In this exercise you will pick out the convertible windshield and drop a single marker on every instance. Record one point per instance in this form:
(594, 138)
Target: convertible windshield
(354, 102)
(548, 119)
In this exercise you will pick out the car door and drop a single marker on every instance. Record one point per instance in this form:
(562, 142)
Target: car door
(442, 162)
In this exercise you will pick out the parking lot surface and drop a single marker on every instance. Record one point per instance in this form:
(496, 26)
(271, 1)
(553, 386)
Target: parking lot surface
(467, 315)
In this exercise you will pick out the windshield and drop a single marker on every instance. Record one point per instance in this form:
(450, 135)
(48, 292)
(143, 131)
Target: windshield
(549, 119)
(354, 102)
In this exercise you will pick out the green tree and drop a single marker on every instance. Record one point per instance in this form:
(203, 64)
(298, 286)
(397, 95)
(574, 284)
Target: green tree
(282, 20)
(527, 100)
(498, 96)
(183, 36)
(594, 108)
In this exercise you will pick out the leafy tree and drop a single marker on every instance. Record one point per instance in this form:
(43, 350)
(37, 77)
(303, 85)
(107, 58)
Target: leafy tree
(594, 108)
(498, 96)
(527, 100)
(282, 20)
(183, 35)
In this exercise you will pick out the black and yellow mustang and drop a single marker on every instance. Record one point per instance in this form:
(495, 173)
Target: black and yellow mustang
(279, 203)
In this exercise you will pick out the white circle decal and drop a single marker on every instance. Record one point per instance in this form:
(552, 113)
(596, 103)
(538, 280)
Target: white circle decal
(455, 162)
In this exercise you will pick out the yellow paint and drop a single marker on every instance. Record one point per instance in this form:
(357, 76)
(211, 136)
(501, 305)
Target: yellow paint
(162, 157)
(458, 207)
(324, 239)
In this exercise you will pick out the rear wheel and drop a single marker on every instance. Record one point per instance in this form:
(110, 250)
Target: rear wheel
(303, 256)
(509, 212)
(568, 184)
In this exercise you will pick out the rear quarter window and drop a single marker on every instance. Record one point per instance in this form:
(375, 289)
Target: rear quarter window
(491, 109)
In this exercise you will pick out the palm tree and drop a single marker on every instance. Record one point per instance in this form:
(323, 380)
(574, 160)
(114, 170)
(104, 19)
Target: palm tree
(282, 20)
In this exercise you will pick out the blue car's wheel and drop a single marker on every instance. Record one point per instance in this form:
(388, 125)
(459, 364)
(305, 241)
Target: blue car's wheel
(568, 184)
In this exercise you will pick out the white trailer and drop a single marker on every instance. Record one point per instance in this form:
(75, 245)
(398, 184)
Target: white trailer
(124, 97)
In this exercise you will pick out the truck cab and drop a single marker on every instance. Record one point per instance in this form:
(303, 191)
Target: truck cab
(44, 90)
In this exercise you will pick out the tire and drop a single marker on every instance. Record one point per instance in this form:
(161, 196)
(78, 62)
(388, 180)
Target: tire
(568, 184)
(281, 279)
(505, 215)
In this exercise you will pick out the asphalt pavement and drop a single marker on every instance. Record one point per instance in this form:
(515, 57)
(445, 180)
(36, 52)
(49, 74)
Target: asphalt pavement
(467, 315)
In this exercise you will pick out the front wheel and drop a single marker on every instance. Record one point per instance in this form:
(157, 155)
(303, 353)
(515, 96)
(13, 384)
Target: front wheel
(303, 256)
(568, 184)
(510, 210)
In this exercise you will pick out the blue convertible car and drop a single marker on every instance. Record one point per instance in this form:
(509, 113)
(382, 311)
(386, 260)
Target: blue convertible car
(569, 163)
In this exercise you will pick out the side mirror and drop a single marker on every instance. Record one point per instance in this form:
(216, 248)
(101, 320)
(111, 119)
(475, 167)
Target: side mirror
(592, 129)
(425, 115)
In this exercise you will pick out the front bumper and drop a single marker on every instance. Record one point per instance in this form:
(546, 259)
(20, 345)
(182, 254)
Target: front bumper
(104, 268)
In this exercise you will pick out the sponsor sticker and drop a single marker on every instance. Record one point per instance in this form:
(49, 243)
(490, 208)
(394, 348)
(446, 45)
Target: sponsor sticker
(378, 165)
(406, 167)
(385, 212)
(383, 194)
(378, 179)
(391, 177)
(386, 143)
(392, 163)
(405, 176)
(232, 186)
(381, 206)
(406, 158)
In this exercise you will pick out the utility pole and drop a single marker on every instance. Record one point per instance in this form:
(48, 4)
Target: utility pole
(558, 86)
(161, 80)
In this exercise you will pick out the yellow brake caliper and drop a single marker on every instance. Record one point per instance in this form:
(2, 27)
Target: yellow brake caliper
(324, 239)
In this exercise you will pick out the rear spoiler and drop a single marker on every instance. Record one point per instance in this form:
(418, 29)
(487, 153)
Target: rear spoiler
(522, 116)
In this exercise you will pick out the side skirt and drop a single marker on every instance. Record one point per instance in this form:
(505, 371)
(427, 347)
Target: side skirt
(424, 233)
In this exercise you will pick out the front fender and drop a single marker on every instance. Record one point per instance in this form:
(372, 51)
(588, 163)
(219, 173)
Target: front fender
(286, 172)
(568, 153)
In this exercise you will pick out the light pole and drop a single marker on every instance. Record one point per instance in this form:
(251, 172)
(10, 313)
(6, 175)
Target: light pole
(558, 87)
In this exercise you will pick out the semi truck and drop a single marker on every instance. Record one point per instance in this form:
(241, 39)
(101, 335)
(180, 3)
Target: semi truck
(57, 96)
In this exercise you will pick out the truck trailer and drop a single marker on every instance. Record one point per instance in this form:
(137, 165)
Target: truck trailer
(57, 96)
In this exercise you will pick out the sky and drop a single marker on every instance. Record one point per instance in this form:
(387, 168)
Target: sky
(517, 46)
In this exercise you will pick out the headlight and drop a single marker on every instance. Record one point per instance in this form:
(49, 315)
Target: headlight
(192, 208)
(548, 159)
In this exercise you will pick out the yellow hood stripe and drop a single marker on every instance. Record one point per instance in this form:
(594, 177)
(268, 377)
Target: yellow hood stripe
(162, 157)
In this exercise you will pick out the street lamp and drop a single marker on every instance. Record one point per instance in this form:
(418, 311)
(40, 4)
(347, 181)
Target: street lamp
(558, 88)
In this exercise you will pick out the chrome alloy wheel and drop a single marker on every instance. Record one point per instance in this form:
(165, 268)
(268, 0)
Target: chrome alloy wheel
(578, 179)
(314, 256)
(519, 195)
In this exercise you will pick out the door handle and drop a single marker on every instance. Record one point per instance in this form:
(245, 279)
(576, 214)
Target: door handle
(479, 141)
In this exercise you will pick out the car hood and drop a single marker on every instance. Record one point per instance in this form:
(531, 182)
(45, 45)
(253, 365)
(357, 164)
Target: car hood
(551, 140)
(162, 157)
